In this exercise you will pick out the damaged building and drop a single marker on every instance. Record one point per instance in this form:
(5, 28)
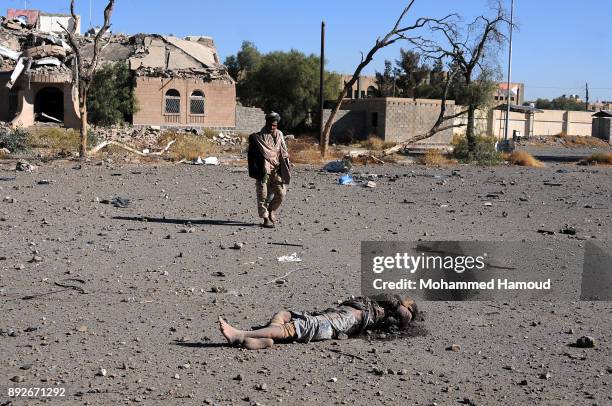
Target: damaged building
(178, 82)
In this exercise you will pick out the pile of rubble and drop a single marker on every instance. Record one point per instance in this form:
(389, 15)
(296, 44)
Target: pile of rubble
(148, 137)
(24, 50)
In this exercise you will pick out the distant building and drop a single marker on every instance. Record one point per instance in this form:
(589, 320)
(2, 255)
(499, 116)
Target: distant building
(517, 93)
(601, 105)
(45, 22)
(364, 87)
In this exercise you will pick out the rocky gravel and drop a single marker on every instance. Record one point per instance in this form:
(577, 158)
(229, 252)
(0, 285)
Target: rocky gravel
(118, 303)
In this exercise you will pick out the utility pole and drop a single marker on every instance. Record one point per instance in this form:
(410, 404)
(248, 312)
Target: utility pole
(587, 97)
(321, 82)
(509, 73)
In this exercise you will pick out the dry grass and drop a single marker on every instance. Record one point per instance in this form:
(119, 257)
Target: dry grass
(188, 146)
(600, 158)
(578, 141)
(56, 139)
(435, 157)
(374, 143)
(305, 150)
(523, 158)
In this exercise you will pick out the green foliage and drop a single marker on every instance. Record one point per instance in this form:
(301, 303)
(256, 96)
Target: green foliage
(245, 61)
(111, 98)
(483, 151)
(561, 103)
(286, 82)
(15, 140)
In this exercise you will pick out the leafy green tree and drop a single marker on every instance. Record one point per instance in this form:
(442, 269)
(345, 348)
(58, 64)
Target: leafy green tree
(385, 81)
(412, 73)
(561, 103)
(286, 82)
(245, 61)
(111, 98)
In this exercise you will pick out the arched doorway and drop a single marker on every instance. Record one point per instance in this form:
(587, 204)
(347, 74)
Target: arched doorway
(49, 105)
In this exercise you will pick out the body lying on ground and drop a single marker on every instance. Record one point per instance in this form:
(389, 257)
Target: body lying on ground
(352, 317)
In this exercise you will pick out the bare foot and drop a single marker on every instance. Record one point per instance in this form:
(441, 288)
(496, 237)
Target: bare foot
(233, 335)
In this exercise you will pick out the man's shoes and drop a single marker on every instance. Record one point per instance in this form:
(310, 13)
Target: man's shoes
(272, 217)
(268, 223)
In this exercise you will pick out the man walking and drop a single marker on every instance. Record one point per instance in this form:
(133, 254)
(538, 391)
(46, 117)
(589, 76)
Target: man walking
(269, 166)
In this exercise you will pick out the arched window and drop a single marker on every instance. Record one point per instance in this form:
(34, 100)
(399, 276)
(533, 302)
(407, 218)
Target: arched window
(173, 102)
(196, 102)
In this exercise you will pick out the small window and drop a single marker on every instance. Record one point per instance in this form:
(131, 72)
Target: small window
(196, 102)
(173, 102)
(375, 119)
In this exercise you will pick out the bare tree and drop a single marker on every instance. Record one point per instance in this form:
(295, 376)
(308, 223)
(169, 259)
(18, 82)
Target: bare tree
(83, 70)
(471, 52)
(397, 33)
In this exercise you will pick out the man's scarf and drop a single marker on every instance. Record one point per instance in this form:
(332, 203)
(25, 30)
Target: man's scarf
(272, 147)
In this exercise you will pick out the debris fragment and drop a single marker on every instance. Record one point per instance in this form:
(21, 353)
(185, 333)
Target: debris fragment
(585, 342)
(290, 258)
(25, 166)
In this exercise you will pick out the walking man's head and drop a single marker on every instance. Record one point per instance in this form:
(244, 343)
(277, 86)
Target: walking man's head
(272, 120)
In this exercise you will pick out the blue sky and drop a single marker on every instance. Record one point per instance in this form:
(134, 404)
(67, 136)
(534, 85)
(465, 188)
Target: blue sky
(560, 45)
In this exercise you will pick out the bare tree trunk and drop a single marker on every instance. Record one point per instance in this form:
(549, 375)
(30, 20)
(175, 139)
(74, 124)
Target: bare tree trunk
(470, 133)
(391, 37)
(83, 112)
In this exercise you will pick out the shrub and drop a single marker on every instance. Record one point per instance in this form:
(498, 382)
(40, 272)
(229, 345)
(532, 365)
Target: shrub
(374, 143)
(305, 150)
(435, 157)
(15, 140)
(523, 158)
(600, 158)
(111, 99)
(61, 139)
(484, 152)
(188, 146)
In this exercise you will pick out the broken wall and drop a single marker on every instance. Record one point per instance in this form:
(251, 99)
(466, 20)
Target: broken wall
(249, 119)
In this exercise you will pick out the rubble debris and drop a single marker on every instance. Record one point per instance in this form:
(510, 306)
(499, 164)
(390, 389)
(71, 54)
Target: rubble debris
(25, 166)
(290, 258)
(9, 53)
(342, 166)
(585, 342)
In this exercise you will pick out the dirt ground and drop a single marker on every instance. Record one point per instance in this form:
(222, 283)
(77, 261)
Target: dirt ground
(158, 273)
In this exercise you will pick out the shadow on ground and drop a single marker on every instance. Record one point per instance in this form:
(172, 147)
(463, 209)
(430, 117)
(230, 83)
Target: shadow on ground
(211, 222)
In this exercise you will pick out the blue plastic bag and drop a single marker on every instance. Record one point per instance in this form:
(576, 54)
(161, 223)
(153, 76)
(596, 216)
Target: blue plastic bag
(345, 180)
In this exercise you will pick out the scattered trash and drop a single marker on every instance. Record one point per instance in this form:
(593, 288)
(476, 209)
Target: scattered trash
(342, 166)
(211, 160)
(101, 372)
(146, 151)
(370, 184)
(290, 258)
(346, 180)
(547, 232)
(198, 161)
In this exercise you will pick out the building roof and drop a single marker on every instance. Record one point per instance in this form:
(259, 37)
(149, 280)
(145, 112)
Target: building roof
(603, 113)
(515, 108)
